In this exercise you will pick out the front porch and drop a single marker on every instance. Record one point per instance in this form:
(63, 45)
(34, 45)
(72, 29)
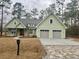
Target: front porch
(14, 32)
(19, 32)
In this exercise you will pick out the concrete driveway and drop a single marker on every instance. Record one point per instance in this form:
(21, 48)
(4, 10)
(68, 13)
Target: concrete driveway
(58, 42)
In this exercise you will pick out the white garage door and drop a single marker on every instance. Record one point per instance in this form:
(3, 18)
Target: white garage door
(56, 34)
(44, 33)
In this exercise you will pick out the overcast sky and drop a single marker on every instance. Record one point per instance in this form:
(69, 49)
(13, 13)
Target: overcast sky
(29, 4)
(40, 4)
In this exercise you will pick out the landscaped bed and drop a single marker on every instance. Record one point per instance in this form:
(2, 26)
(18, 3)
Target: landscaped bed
(30, 48)
(74, 38)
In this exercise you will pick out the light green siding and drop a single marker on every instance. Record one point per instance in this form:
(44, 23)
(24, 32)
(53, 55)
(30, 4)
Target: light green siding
(9, 33)
(15, 24)
(45, 25)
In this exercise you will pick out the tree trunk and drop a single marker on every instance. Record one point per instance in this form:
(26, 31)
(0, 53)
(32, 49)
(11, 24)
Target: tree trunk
(2, 21)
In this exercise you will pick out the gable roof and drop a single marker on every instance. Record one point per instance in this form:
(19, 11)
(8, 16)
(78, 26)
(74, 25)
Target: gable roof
(12, 20)
(33, 23)
(58, 19)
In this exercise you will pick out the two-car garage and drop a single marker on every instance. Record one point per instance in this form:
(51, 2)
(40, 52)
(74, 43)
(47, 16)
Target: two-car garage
(56, 34)
(51, 28)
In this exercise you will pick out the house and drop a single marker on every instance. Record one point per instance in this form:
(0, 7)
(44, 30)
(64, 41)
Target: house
(21, 27)
(50, 27)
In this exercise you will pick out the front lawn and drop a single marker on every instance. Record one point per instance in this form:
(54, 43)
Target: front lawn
(30, 48)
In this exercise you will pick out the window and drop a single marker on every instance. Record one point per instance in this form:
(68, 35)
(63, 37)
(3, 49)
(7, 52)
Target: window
(50, 21)
(13, 32)
(30, 31)
(15, 23)
(33, 25)
(28, 24)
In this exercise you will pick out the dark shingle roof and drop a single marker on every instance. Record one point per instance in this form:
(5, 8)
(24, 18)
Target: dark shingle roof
(32, 23)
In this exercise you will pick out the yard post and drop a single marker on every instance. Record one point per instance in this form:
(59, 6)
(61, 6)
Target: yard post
(18, 46)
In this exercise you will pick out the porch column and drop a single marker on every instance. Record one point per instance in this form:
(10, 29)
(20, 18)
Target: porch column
(33, 32)
(24, 32)
(6, 31)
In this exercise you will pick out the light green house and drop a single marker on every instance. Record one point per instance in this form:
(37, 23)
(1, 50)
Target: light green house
(13, 27)
(51, 27)
(20, 27)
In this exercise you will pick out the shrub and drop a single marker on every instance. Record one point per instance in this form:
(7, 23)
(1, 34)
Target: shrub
(72, 31)
(34, 36)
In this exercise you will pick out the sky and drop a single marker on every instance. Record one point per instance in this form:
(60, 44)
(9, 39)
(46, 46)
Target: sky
(40, 4)
(30, 4)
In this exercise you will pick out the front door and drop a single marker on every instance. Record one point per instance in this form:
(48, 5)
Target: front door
(21, 32)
